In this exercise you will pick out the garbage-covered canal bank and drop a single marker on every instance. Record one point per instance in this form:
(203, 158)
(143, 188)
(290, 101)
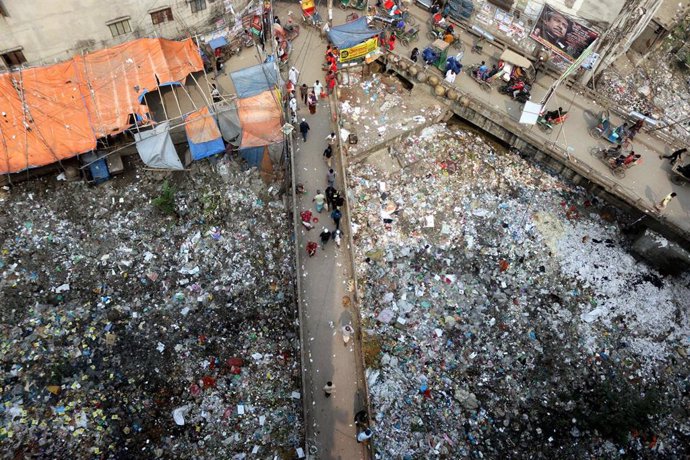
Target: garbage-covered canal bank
(504, 315)
(146, 318)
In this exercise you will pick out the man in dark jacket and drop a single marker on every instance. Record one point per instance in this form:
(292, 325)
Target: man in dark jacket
(304, 129)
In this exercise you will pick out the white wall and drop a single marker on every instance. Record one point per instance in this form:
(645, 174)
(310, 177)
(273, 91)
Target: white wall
(54, 30)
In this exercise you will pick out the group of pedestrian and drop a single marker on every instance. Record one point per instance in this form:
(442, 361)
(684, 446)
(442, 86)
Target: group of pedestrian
(330, 200)
(309, 97)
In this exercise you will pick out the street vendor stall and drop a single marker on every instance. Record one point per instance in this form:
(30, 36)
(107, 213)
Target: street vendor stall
(441, 48)
(355, 40)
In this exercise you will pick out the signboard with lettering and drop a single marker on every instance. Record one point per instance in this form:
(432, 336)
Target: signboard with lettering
(358, 51)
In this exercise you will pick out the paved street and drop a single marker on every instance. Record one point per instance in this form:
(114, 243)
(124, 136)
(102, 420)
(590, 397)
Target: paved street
(325, 280)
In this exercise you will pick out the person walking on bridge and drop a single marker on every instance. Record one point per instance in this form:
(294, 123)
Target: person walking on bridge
(674, 156)
(665, 201)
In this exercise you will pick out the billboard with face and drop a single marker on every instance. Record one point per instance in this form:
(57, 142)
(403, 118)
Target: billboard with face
(560, 33)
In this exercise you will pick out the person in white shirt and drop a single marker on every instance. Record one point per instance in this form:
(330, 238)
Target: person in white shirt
(293, 74)
(450, 76)
(318, 89)
(364, 435)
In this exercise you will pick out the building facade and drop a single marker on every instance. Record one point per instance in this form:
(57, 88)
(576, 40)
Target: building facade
(39, 32)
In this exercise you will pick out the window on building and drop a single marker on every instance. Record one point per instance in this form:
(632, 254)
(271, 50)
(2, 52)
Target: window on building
(161, 16)
(198, 5)
(13, 58)
(120, 27)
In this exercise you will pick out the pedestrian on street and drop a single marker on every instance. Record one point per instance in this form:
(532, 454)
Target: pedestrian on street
(325, 235)
(450, 76)
(331, 138)
(304, 92)
(319, 200)
(331, 85)
(304, 129)
(663, 203)
(364, 435)
(311, 248)
(215, 94)
(338, 200)
(328, 389)
(635, 129)
(293, 75)
(336, 215)
(293, 105)
(318, 89)
(330, 177)
(330, 193)
(414, 55)
(391, 42)
(327, 154)
(361, 418)
(674, 156)
(311, 103)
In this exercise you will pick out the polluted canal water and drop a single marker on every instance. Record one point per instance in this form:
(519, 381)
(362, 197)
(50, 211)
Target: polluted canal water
(503, 315)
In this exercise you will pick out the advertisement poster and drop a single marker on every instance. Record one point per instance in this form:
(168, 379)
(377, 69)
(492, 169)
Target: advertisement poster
(359, 51)
(562, 34)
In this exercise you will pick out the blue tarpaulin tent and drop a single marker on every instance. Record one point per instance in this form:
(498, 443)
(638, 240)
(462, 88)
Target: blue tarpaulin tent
(206, 149)
(351, 33)
(253, 155)
(203, 135)
(254, 80)
(217, 42)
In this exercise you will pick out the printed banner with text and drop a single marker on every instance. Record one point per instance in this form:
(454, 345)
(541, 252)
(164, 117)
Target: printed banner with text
(562, 34)
(359, 51)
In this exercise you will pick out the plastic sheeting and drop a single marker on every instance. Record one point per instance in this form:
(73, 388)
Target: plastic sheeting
(229, 123)
(203, 134)
(253, 155)
(156, 148)
(255, 80)
(351, 33)
(218, 42)
(260, 117)
(56, 112)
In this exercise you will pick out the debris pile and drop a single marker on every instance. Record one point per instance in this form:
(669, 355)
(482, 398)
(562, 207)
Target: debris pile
(660, 90)
(379, 100)
(503, 316)
(145, 324)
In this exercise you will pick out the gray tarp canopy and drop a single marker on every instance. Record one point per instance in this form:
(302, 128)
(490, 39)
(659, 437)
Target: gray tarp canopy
(351, 33)
(156, 148)
(256, 79)
(229, 123)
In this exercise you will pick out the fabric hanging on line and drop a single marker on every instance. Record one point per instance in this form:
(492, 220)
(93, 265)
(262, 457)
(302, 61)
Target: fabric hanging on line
(156, 148)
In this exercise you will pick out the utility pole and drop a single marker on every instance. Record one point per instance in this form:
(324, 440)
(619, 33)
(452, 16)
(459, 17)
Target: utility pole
(330, 13)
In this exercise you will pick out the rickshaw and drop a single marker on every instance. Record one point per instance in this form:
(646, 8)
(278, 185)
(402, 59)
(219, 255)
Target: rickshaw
(514, 67)
(441, 49)
(356, 4)
(618, 170)
(309, 14)
(605, 130)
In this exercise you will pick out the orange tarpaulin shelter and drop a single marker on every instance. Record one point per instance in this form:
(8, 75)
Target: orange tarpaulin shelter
(201, 126)
(260, 118)
(56, 112)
